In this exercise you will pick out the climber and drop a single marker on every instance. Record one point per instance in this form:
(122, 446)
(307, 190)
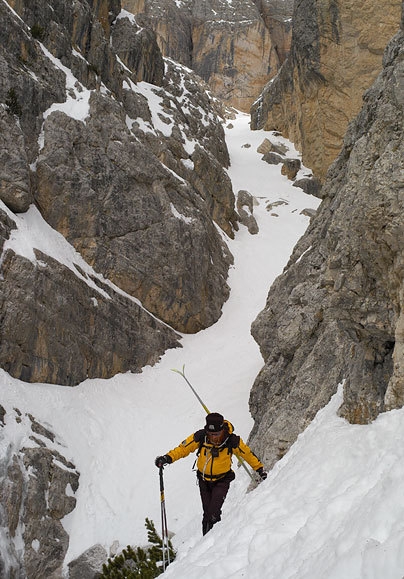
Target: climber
(215, 445)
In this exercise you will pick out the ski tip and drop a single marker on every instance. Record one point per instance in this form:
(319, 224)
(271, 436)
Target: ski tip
(179, 371)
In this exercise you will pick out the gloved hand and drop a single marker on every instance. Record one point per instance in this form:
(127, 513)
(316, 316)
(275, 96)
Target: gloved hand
(262, 473)
(163, 460)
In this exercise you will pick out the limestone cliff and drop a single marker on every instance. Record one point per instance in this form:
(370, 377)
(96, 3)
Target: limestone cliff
(37, 486)
(236, 47)
(125, 182)
(336, 312)
(336, 53)
(277, 15)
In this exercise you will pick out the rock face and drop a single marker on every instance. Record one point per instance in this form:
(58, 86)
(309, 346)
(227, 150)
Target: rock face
(61, 328)
(133, 219)
(37, 486)
(277, 15)
(15, 186)
(89, 564)
(336, 54)
(124, 155)
(335, 314)
(236, 47)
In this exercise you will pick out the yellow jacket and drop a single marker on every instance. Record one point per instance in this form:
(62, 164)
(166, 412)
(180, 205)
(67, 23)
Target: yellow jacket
(214, 462)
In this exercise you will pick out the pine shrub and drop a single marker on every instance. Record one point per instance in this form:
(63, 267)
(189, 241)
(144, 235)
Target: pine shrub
(139, 563)
(38, 32)
(12, 103)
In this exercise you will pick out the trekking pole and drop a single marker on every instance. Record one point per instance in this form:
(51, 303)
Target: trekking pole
(182, 373)
(165, 548)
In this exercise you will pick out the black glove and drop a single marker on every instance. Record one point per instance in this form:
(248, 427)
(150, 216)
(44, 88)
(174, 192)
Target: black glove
(163, 460)
(262, 473)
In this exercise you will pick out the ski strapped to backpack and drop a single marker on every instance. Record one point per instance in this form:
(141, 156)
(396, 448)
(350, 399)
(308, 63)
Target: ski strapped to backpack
(182, 373)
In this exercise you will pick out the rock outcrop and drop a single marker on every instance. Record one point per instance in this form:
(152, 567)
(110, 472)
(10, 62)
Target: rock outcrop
(89, 564)
(112, 144)
(61, 326)
(236, 47)
(336, 313)
(245, 208)
(277, 15)
(37, 486)
(336, 54)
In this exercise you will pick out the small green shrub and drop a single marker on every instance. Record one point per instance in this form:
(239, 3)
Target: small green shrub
(139, 563)
(38, 32)
(12, 103)
(93, 68)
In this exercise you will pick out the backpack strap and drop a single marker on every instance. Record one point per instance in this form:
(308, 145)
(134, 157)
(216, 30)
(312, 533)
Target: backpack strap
(199, 436)
(232, 442)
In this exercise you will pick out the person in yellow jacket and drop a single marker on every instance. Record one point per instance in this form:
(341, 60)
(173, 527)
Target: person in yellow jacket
(216, 443)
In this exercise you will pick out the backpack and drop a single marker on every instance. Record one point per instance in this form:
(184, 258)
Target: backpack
(231, 442)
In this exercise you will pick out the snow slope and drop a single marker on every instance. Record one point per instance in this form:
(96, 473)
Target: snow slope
(331, 508)
(121, 424)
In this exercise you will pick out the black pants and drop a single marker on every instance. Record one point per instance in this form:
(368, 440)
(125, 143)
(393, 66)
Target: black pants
(212, 496)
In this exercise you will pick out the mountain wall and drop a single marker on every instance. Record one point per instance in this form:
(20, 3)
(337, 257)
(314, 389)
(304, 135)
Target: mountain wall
(113, 191)
(236, 47)
(336, 54)
(336, 312)
(37, 488)
(111, 144)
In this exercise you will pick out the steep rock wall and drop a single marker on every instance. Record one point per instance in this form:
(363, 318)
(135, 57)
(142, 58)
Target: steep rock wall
(236, 47)
(277, 15)
(37, 486)
(124, 182)
(336, 53)
(336, 312)
(61, 327)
